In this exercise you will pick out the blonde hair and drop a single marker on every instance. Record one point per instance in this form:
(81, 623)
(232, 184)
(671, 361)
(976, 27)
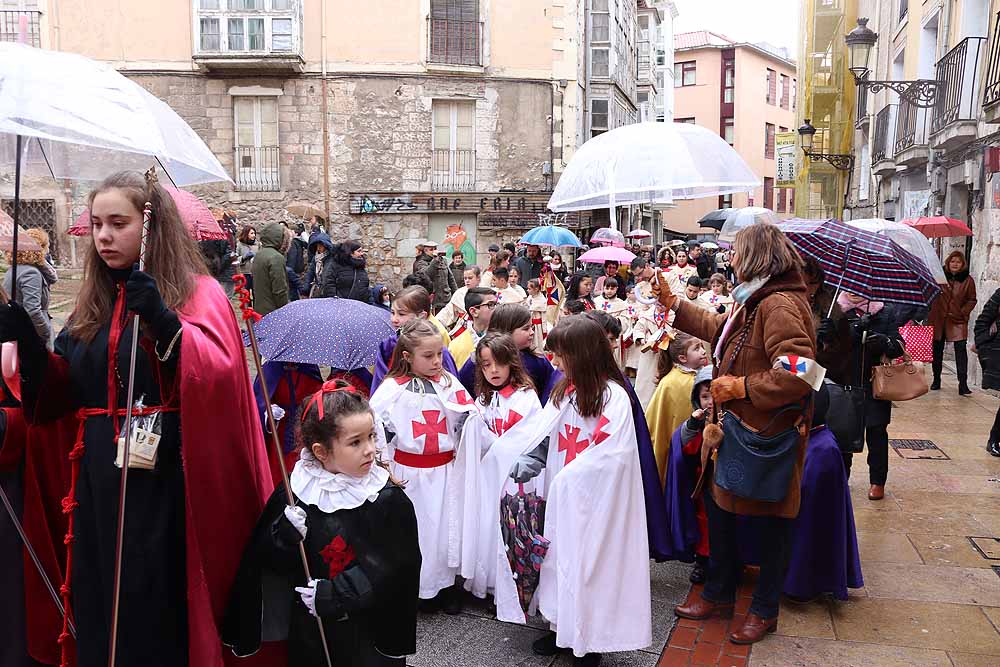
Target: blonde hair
(764, 250)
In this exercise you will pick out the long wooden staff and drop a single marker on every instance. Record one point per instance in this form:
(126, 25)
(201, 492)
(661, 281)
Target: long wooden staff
(147, 214)
(249, 317)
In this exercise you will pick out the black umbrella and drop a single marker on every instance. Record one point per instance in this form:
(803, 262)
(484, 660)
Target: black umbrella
(715, 219)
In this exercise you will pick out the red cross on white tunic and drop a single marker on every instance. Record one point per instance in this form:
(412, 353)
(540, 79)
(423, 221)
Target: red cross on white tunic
(501, 426)
(431, 428)
(571, 444)
(599, 435)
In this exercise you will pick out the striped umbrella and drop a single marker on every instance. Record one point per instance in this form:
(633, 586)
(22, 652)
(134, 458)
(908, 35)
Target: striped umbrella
(863, 263)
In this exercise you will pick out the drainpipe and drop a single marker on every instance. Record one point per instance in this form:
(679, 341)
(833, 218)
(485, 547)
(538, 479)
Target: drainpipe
(326, 117)
(552, 131)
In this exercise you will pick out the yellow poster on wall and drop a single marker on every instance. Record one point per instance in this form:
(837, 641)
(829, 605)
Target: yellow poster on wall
(785, 156)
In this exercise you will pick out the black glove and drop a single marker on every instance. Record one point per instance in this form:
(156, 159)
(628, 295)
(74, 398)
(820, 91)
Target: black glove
(721, 309)
(16, 324)
(826, 331)
(143, 298)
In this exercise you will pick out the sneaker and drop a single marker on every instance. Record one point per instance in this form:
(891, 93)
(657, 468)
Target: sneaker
(589, 660)
(545, 645)
(993, 448)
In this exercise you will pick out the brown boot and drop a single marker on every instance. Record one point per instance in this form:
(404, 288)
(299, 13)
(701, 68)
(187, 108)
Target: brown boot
(754, 629)
(877, 492)
(698, 608)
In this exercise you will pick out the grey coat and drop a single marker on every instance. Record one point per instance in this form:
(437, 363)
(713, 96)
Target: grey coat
(33, 289)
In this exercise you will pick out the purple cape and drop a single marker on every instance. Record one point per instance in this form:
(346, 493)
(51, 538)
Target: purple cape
(538, 368)
(276, 372)
(656, 508)
(385, 349)
(823, 556)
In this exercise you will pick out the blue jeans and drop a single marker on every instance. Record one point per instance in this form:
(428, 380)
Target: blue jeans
(724, 569)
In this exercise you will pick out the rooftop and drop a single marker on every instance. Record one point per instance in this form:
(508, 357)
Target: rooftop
(706, 39)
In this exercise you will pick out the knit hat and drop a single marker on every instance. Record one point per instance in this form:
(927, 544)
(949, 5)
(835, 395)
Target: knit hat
(703, 375)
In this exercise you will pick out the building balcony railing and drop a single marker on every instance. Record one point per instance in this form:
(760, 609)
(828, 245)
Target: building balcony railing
(454, 42)
(14, 24)
(454, 171)
(885, 126)
(258, 169)
(959, 70)
(991, 89)
(911, 127)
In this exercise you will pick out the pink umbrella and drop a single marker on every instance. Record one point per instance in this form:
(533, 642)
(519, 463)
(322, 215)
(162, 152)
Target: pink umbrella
(198, 218)
(639, 234)
(606, 254)
(939, 226)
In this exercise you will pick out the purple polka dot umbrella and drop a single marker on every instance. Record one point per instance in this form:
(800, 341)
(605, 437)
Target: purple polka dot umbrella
(342, 333)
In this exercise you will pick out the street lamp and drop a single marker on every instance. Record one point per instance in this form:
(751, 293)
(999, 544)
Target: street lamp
(838, 160)
(860, 41)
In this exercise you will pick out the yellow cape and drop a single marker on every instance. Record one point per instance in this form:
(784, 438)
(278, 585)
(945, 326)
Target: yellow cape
(668, 409)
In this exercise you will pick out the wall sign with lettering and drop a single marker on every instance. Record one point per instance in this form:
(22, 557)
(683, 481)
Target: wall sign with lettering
(373, 203)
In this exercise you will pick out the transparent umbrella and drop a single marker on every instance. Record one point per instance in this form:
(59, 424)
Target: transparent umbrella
(651, 163)
(910, 238)
(738, 218)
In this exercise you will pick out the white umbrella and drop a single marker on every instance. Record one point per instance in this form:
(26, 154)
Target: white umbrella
(738, 218)
(647, 163)
(910, 238)
(82, 120)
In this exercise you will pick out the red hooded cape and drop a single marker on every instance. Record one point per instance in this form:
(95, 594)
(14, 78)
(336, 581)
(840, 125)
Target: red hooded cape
(226, 478)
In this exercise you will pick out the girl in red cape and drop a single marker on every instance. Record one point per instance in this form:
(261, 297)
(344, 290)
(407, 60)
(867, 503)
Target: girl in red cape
(187, 519)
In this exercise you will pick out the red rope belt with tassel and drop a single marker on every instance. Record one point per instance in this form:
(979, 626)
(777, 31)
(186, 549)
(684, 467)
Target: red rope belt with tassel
(70, 503)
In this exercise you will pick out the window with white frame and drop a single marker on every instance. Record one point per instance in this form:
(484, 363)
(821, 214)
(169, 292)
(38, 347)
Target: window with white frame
(257, 153)
(600, 39)
(598, 117)
(454, 144)
(246, 26)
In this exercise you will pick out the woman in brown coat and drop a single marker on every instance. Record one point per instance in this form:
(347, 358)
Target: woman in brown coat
(950, 319)
(764, 374)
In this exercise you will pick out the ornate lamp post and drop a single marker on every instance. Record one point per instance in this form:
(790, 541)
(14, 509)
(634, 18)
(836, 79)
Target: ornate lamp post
(920, 92)
(838, 160)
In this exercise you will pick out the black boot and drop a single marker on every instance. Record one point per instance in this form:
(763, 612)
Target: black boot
(545, 645)
(451, 600)
(589, 660)
(699, 571)
(937, 364)
(962, 368)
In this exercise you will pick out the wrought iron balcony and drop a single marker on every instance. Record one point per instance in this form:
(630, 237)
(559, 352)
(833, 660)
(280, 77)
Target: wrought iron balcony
(959, 70)
(454, 171)
(258, 169)
(14, 24)
(884, 140)
(991, 89)
(454, 42)
(911, 134)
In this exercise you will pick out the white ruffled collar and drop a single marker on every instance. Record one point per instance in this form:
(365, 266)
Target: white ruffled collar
(314, 485)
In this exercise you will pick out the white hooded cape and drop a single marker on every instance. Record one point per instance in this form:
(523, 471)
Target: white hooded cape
(501, 433)
(594, 586)
(438, 494)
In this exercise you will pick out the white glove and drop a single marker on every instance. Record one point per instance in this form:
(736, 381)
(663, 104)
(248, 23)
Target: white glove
(277, 412)
(308, 594)
(297, 517)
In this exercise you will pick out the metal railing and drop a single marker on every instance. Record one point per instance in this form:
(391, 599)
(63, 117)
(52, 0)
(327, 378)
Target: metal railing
(454, 170)
(258, 168)
(454, 42)
(883, 134)
(991, 89)
(14, 23)
(959, 70)
(911, 130)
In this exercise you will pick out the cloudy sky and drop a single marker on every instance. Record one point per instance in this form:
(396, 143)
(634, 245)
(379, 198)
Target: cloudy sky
(774, 21)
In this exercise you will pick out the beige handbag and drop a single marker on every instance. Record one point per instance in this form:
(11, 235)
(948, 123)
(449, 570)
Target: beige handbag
(898, 382)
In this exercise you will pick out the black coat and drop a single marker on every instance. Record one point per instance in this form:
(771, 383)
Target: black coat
(348, 278)
(377, 591)
(988, 342)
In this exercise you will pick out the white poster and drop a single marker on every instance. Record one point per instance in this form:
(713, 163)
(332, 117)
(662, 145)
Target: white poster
(914, 204)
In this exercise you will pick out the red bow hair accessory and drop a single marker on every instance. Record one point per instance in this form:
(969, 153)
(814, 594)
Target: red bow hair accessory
(329, 387)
